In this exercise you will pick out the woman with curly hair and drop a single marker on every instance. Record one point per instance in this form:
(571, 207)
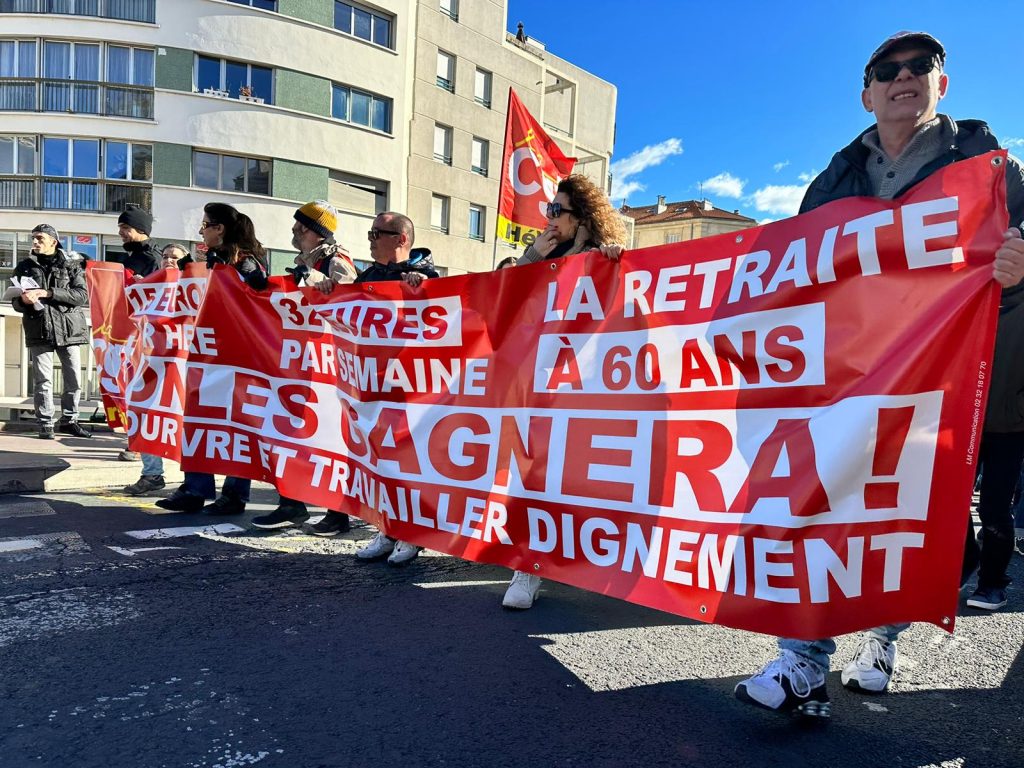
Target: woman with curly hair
(580, 218)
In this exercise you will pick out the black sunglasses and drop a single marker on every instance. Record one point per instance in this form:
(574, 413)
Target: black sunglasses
(887, 71)
(374, 234)
(555, 210)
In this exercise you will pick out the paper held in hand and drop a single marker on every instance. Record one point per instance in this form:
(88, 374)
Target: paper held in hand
(18, 286)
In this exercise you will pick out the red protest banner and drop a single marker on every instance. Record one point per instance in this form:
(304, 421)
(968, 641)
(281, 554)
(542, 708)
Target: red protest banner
(532, 164)
(773, 430)
(111, 329)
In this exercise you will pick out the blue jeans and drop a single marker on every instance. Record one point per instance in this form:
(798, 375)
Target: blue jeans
(152, 465)
(820, 651)
(203, 484)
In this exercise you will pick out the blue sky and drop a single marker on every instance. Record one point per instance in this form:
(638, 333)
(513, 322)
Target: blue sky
(750, 99)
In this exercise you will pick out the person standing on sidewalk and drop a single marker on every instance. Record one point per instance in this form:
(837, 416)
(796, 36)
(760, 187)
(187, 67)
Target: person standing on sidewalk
(323, 263)
(58, 327)
(903, 82)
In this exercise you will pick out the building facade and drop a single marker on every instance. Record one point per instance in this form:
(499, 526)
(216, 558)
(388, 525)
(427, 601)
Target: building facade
(663, 222)
(265, 104)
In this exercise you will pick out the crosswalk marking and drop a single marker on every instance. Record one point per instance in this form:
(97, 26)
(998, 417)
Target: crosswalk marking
(188, 530)
(133, 552)
(19, 545)
(19, 548)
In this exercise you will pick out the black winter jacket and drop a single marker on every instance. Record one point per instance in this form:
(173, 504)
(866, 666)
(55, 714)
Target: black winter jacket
(62, 322)
(141, 258)
(846, 176)
(378, 273)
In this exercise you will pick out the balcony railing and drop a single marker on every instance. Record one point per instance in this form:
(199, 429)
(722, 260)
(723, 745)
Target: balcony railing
(47, 193)
(125, 10)
(82, 97)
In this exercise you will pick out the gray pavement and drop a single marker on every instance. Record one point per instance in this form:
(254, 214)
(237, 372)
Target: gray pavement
(236, 648)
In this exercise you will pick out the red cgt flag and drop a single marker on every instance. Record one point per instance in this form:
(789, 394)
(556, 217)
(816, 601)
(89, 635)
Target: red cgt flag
(531, 167)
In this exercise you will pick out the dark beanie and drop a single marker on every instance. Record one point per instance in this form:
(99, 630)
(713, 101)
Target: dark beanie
(137, 218)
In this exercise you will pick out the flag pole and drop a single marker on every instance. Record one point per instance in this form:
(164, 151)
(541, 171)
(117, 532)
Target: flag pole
(501, 180)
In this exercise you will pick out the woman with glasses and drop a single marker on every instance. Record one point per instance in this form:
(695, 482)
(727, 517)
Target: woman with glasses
(580, 218)
(230, 240)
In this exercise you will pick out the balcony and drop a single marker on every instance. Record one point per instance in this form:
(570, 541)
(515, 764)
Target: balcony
(123, 10)
(46, 193)
(82, 97)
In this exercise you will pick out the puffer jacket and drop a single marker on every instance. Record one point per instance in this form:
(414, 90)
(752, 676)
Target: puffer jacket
(846, 176)
(62, 321)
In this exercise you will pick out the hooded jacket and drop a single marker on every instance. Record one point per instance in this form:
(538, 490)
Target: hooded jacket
(62, 321)
(846, 176)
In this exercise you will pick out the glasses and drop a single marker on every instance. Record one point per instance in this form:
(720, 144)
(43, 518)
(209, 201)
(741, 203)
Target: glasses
(207, 225)
(375, 234)
(555, 210)
(887, 71)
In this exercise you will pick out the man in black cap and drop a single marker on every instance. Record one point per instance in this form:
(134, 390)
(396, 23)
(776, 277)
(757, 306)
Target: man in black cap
(54, 321)
(134, 227)
(903, 83)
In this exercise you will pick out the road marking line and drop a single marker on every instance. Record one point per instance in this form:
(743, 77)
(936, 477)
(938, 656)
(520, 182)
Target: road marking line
(449, 584)
(189, 530)
(132, 552)
(20, 545)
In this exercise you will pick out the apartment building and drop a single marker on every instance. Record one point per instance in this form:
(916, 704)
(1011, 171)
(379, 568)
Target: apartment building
(663, 222)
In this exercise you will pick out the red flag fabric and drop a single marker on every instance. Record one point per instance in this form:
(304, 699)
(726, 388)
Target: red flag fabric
(774, 429)
(112, 328)
(532, 164)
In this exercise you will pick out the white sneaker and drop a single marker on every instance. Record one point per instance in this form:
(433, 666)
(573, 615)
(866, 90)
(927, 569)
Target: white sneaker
(379, 546)
(790, 683)
(873, 666)
(522, 591)
(403, 553)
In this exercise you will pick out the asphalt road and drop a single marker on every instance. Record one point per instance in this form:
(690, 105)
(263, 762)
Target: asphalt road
(282, 650)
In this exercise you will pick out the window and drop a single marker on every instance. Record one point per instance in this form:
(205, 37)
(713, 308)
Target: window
(674, 237)
(476, 222)
(357, 194)
(17, 155)
(128, 161)
(482, 88)
(266, 5)
(17, 58)
(443, 144)
(446, 71)
(439, 213)
(229, 77)
(450, 8)
(83, 244)
(129, 67)
(128, 10)
(64, 62)
(361, 108)
(481, 148)
(71, 159)
(363, 23)
(230, 173)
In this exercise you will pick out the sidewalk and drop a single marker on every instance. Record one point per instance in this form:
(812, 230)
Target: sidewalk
(31, 465)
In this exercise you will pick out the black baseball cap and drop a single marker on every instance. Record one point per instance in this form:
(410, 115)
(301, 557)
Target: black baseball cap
(46, 229)
(902, 40)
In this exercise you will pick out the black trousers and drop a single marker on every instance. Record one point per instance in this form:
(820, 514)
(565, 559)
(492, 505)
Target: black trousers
(1001, 456)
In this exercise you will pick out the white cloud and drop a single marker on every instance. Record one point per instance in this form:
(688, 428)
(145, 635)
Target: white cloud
(724, 185)
(638, 162)
(779, 166)
(1013, 143)
(807, 178)
(779, 199)
(766, 220)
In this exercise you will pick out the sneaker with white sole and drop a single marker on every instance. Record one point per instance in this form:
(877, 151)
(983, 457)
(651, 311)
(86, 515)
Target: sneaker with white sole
(872, 667)
(403, 553)
(522, 591)
(791, 684)
(988, 599)
(380, 546)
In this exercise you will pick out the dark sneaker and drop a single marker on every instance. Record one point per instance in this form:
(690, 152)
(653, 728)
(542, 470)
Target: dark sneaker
(988, 599)
(127, 455)
(790, 684)
(74, 428)
(145, 484)
(46, 431)
(332, 524)
(225, 505)
(182, 501)
(284, 516)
